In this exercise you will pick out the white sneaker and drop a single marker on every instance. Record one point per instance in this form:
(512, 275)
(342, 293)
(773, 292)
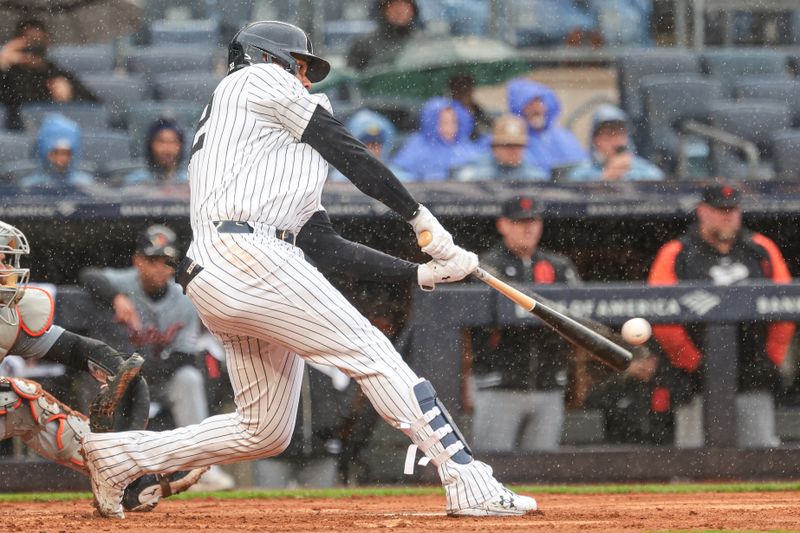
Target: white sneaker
(107, 498)
(504, 503)
(215, 479)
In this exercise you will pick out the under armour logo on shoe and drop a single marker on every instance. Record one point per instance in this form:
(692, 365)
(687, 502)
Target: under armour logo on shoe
(507, 502)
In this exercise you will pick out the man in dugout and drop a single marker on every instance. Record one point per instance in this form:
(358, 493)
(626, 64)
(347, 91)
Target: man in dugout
(718, 249)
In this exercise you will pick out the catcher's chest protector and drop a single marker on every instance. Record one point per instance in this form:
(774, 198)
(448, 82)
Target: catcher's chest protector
(33, 315)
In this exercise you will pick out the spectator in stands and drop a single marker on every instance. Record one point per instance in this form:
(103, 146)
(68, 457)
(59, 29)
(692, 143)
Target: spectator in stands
(719, 250)
(462, 90)
(398, 21)
(442, 143)
(550, 146)
(377, 133)
(506, 158)
(27, 76)
(58, 148)
(164, 153)
(612, 156)
(163, 326)
(520, 375)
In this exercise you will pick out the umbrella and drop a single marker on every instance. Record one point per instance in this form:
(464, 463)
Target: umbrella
(73, 21)
(421, 69)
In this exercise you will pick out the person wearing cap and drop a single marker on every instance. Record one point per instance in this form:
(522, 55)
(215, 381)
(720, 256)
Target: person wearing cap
(506, 158)
(58, 149)
(521, 375)
(612, 155)
(161, 324)
(719, 250)
(164, 155)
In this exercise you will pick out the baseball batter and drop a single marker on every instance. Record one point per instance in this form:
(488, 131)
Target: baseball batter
(48, 426)
(259, 160)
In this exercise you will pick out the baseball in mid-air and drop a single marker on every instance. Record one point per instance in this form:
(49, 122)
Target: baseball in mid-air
(636, 331)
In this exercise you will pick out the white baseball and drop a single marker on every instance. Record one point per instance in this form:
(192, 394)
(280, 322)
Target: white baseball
(636, 331)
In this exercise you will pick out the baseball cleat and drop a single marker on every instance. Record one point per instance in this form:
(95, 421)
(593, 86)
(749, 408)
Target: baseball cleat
(101, 412)
(143, 495)
(504, 503)
(107, 498)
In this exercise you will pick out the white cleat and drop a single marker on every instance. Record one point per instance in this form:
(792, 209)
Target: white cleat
(107, 498)
(504, 503)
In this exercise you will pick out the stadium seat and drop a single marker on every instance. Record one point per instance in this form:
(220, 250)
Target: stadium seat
(152, 60)
(635, 65)
(754, 120)
(117, 92)
(89, 115)
(786, 91)
(83, 58)
(15, 146)
(114, 171)
(142, 114)
(786, 154)
(187, 86)
(728, 65)
(203, 32)
(670, 101)
(100, 146)
(12, 171)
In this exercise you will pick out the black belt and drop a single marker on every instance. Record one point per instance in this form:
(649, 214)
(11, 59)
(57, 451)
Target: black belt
(186, 272)
(232, 226)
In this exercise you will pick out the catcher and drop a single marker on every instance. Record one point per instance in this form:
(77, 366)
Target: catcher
(45, 424)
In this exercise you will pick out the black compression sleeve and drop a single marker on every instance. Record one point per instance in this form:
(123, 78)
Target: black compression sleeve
(349, 156)
(84, 353)
(102, 290)
(334, 254)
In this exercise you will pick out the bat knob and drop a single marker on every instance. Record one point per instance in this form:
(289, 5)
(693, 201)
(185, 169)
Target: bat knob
(424, 238)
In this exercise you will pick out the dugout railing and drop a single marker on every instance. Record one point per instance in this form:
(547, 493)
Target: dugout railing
(437, 343)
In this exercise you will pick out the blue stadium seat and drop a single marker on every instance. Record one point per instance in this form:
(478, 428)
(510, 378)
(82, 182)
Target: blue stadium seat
(786, 154)
(114, 171)
(152, 60)
(754, 120)
(101, 146)
(728, 65)
(782, 90)
(203, 32)
(15, 146)
(83, 58)
(89, 115)
(117, 92)
(142, 114)
(188, 86)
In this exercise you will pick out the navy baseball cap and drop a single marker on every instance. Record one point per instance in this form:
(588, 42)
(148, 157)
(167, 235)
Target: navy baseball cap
(157, 241)
(522, 207)
(721, 196)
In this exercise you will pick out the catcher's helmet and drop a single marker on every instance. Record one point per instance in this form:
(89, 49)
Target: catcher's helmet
(13, 278)
(271, 41)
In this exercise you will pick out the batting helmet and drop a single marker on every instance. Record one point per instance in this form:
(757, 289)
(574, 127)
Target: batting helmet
(271, 41)
(13, 278)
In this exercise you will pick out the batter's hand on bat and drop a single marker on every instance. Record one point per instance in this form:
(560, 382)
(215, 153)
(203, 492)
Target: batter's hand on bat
(440, 243)
(461, 265)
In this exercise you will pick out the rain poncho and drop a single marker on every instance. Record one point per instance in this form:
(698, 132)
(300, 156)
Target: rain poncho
(552, 146)
(57, 131)
(426, 156)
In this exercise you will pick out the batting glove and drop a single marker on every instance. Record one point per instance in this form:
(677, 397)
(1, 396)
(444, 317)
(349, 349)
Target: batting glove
(461, 265)
(441, 245)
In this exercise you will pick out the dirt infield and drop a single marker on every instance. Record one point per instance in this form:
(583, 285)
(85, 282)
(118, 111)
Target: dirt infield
(616, 512)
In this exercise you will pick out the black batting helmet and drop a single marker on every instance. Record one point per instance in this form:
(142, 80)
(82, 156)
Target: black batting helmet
(272, 41)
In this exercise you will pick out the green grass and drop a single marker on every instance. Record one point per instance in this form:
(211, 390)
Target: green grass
(677, 488)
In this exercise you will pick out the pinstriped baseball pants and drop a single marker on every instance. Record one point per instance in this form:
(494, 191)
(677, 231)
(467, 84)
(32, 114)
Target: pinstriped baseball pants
(272, 310)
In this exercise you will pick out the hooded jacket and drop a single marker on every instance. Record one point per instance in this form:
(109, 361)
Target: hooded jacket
(153, 173)
(380, 46)
(57, 131)
(552, 146)
(426, 156)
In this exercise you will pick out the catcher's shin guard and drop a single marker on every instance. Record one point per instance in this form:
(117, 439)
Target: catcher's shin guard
(101, 412)
(48, 426)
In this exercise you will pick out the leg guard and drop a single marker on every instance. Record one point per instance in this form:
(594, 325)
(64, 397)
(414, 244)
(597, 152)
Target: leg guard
(44, 423)
(435, 426)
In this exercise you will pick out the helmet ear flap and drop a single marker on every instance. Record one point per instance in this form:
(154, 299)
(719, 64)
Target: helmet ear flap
(236, 55)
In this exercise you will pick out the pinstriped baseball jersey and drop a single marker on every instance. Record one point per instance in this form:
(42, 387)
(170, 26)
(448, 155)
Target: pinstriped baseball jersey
(247, 161)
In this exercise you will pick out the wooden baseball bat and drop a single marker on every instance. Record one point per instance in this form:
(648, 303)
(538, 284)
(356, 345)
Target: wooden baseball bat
(600, 347)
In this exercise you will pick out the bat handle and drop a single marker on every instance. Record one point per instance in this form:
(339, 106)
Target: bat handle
(424, 238)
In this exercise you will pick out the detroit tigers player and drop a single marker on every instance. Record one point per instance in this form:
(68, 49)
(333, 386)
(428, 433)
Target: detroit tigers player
(48, 426)
(258, 164)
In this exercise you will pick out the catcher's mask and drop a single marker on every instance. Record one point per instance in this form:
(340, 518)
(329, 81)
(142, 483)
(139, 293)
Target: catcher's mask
(13, 245)
(272, 41)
